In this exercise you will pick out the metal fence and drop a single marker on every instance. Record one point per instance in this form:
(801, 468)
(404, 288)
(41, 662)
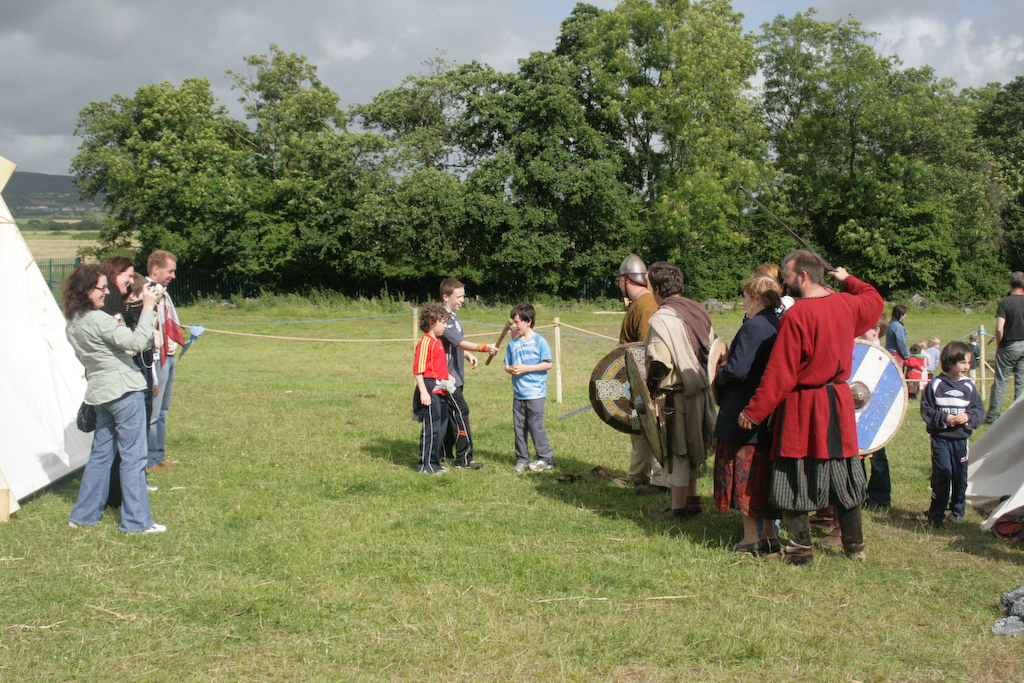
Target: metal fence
(56, 270)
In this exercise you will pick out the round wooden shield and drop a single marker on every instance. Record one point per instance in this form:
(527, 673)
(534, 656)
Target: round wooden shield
(717, 351)
(644, 407)
(609, 388)
(879, 396)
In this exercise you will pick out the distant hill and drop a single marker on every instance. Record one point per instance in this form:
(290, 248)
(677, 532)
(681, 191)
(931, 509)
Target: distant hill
(34, 194)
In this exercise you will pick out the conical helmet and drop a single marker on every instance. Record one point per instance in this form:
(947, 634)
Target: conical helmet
(633, 267)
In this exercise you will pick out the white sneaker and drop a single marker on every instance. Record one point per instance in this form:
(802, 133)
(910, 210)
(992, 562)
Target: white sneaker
(72, 525)
(520, 467)
(155, 529)
(152, 487)
(541, 466)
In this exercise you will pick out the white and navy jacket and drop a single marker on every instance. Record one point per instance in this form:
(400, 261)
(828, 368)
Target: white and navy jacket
(944, 396)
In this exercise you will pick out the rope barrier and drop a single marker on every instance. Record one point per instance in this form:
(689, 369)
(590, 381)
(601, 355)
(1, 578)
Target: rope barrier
(379, 341)
(544, 328)
(313, 339)
(593, 334)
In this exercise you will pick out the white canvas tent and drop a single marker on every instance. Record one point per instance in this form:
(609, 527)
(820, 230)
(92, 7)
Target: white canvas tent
(41, 381)
(996, 467)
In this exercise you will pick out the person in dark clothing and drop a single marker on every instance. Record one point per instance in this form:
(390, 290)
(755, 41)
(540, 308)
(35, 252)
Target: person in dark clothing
(1010, 347)
(743, 456)
(951, 409)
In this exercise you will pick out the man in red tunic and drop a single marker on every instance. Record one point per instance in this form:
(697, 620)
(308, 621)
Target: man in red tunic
(814, 453)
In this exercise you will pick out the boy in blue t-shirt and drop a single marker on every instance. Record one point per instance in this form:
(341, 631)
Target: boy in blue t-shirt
(528, 359)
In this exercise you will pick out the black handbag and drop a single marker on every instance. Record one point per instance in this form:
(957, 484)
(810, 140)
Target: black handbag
(86, 418)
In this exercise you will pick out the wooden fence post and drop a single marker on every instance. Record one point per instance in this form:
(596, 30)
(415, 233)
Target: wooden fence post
(558, 361)
(415, 324)
(6, 500)
(981, 353)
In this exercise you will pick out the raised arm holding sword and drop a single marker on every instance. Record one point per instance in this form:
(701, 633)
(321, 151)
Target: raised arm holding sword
(814, 452)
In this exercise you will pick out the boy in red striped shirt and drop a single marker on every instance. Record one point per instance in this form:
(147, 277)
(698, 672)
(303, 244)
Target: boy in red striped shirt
(430, 369)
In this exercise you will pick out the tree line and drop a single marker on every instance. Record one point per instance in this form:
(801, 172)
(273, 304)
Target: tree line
(634, 133)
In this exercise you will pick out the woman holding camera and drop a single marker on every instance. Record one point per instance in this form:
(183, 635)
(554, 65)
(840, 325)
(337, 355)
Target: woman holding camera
(116, 389)
(120, 272)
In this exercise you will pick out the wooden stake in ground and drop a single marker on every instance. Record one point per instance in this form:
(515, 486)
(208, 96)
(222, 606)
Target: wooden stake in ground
(558, 361)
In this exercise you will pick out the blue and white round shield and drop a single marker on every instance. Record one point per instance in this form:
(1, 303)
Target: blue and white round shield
(879, 396)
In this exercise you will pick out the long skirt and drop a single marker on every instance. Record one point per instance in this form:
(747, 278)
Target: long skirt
(742, 478)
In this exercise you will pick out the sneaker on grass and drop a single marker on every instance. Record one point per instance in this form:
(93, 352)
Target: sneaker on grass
(541, 466)
(520, 467)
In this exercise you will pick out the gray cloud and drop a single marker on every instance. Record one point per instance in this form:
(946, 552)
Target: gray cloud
(971, 41)
(58, 55)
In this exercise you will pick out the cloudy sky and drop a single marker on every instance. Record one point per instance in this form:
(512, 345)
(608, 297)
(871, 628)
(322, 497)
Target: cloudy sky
(58, 55)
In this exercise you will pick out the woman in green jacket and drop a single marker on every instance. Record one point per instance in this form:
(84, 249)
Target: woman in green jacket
(105, 346)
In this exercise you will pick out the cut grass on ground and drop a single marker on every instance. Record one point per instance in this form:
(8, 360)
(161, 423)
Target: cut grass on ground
(303, 546)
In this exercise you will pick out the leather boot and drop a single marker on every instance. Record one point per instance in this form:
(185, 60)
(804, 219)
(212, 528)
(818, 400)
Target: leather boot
(794, 554)
(825, 518)
(799, 527)
(851, 525)
(831, 539)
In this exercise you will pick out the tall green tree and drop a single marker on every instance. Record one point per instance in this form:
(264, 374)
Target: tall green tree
(418, 117)
(288, 107)
(667, 80)
(878, 164)
(268, 200)
(1001, 126)
(296, 140)
(167, 163)
(535, 150)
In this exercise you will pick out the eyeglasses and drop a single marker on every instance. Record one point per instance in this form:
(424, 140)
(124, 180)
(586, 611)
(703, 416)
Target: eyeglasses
(104, 288)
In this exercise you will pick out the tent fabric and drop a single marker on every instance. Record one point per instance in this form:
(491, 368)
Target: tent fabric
(41, 381)
(996, 466)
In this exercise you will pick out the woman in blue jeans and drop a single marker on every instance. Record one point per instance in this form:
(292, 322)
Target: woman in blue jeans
(117, 390)
(896, 335)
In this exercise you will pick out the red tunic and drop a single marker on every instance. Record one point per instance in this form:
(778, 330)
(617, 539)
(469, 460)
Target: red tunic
(915, 367)
(814, 349)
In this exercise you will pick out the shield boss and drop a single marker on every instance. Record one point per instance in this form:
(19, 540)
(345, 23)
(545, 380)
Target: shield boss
(879, 396)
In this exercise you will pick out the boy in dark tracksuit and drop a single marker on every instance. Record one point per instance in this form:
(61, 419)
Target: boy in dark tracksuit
(951, 409)
(433, 387)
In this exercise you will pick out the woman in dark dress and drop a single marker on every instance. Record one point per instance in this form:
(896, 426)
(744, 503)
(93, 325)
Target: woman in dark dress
(742, 456)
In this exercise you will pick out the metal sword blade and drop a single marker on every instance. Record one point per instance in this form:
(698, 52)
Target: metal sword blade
(577, 411)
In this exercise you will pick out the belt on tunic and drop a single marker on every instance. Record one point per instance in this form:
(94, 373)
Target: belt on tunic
(830, 383)
(834, 435)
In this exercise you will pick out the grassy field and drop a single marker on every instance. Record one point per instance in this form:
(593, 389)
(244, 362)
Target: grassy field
(46, 245)
(303, 546)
